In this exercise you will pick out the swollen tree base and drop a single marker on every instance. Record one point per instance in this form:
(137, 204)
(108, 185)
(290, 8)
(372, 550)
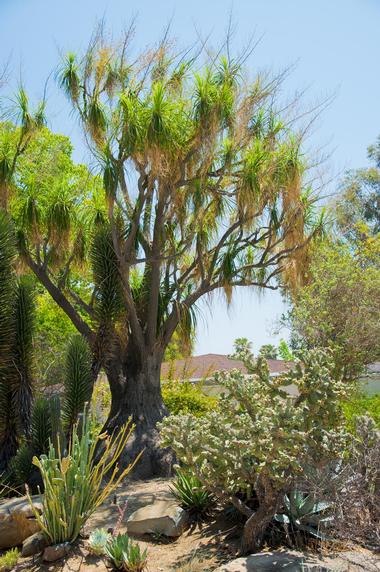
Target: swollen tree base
(136, 396)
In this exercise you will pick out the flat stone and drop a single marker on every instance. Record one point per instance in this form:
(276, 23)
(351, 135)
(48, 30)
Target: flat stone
(17, 520)
(288, 561)
(56, 552)
(162, 517)
(34, 544)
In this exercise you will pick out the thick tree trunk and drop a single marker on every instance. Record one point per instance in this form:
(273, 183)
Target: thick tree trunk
(136, 393)
(257, 523)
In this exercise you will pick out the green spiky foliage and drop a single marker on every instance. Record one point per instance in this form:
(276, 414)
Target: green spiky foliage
(201, 188)
(14, 141)
(22, 393)
(45, 428)
(78, 381)
(8, 415)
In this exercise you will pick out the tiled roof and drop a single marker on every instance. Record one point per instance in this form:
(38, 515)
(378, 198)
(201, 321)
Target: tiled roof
(199, 367)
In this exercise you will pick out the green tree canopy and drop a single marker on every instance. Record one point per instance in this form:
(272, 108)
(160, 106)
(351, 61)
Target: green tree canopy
(201, 186)
(339, 308)
(359, 200)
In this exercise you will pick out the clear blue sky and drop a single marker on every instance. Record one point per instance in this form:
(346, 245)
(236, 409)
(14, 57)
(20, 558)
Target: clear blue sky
(335, 44)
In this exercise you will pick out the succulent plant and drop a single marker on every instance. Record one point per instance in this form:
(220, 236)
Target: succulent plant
(98, 540)
(191, 494)
(305, 513)
(125, 554)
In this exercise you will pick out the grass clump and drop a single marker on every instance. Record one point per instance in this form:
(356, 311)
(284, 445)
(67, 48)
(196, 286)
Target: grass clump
(9, 560)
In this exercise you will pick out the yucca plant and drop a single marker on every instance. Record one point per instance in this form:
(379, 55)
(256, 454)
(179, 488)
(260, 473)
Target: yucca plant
(125, 554)
(16, 349)
(191, 494)
(8, 434)
(302, 512)
(78, 381)
(73, 481)
(45, 427)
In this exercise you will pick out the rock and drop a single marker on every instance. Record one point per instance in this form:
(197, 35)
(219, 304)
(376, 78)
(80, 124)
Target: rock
(288, 561)
(17, 520)
(56, 551)
(162, 517)
(34, 544)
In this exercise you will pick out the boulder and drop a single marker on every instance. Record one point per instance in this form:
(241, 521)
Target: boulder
(56, 552)
(17, 520)
(287, 561)
(162, 517)
(34, 544)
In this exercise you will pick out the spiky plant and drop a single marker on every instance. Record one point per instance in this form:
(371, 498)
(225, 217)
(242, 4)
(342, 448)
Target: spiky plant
(78, 381)
(8, 435)
(22, 390)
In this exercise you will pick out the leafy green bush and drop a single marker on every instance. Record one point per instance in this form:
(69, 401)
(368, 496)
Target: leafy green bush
(361, 405)
(9, 560)
(261, 439)
(125, 554)
(73, 484)
(182, 397)
(191, 494)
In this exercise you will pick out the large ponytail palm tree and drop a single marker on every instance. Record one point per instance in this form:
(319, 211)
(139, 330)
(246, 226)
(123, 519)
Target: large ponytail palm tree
(202, 189)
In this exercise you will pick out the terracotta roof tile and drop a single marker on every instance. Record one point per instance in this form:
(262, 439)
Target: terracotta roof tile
(199, 367)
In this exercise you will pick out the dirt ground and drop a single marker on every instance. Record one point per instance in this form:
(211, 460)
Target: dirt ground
(201, 548)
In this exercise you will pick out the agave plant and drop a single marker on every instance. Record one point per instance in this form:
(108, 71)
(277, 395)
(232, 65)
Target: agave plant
(303, 512)
(191, 494)
(98, 540)
(125, 554)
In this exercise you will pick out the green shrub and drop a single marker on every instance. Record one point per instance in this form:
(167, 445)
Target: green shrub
(261, 439)
(125, 554)
(9, 560)
(183, 397)
(73, 484)
(362, 405)
(191, 494)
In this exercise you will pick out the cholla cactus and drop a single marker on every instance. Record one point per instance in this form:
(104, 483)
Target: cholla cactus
(260, 438)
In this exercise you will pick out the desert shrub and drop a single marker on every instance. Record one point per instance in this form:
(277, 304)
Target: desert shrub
(73, 482)
(125, 554)
(260, 439)
(357, 491)
(181, 397)
(362, 405)
(191, 494)
(9, 560)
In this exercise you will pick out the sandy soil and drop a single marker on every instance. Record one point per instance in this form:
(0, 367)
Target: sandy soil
(201, 548)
